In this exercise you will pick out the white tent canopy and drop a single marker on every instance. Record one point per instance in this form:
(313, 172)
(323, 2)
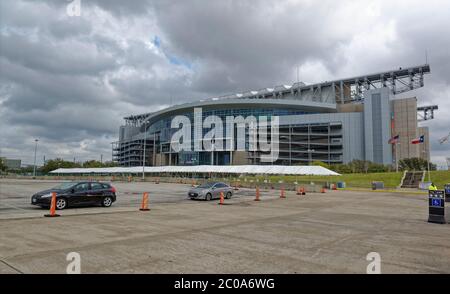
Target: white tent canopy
(204, 169)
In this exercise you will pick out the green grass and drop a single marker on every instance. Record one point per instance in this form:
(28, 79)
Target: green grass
(362, 180)
(439, 178)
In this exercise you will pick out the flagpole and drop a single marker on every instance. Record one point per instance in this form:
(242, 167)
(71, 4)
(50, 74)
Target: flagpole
(394, 141)
(396, 157)
(428, 165)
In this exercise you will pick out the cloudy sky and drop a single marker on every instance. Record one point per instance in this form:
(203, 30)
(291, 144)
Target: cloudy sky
(70, 80)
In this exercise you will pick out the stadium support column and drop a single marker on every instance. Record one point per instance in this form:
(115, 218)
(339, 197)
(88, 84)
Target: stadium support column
(377, 126)
(333, 91)
(144, 158)
(290, 145)
(154, 147)
(212, 151)
(231, 148)
(329, 143)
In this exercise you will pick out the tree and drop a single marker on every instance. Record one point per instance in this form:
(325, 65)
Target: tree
(3, 166)
(359, 166)
(53, 164)
(95, 163)
(26, 170)
(341, 168)
(377, 168)
(320, 163)
(110, 164)
(415, 163)
(92, 164)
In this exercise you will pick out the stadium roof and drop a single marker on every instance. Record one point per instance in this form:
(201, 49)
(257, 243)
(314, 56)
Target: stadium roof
(215, 103)
(205, 169)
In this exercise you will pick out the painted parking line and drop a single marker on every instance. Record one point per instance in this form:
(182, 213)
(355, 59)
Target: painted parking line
(12, 206)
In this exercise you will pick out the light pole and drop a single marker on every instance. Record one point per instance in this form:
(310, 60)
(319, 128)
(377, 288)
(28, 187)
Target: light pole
(428, 165)
(396, 156)
(143, 158)
(310, 151)
(35, 150)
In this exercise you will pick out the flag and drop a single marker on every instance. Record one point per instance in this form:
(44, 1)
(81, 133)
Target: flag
(418, 140)
(394, 140)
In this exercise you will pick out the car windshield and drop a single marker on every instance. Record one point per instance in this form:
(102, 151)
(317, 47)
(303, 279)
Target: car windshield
(206, 185)
(64, 186)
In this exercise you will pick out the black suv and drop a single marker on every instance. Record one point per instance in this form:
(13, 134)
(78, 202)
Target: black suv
(77, 194)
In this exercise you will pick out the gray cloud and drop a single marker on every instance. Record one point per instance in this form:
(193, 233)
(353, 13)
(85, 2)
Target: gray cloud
(70, 80)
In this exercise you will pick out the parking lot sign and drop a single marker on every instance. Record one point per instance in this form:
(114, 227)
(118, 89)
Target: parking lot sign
(436, 207)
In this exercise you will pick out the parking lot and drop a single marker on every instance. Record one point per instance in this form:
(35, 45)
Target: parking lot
(316, 233)
(15, 196)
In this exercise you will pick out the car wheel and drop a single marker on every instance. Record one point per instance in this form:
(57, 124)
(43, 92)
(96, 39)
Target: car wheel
(208, 197)
(61, 203)
(228, 195)
(107, 201)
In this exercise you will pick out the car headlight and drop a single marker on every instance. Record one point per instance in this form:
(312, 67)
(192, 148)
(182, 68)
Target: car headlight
(47, 195)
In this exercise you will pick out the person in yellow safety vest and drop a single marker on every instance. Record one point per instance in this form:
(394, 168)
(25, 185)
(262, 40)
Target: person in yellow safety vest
(432, 187)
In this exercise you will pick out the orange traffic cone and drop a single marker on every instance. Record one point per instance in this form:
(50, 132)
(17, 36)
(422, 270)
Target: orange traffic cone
(157, 181)
(235, 186)
(144, 204)
(257, 194)
(193, 184)
(282, 195)
(334, 187)
(52, 206)
(221, 199)
(303, 191)
(299, 191)
(323, 190)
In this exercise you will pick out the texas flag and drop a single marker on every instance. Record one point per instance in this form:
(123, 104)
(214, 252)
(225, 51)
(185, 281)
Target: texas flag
(418, 140)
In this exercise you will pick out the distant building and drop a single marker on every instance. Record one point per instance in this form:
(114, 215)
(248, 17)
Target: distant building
(12, 163)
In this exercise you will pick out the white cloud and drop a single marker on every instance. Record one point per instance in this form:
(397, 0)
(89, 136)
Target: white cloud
(70, 80)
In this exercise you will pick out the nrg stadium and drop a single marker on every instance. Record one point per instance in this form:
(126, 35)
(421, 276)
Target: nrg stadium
(333, 122)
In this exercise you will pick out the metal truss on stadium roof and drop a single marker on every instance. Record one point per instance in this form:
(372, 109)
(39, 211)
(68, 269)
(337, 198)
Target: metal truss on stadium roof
(349, 90)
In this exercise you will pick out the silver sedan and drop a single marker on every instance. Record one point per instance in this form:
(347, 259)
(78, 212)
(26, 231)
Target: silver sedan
(210, 190)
